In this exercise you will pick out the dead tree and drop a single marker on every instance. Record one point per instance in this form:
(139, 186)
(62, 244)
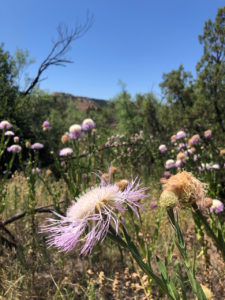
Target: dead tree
(57, 55)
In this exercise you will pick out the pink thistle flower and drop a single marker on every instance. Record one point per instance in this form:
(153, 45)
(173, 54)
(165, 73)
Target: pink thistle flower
(170, 164)
(36, 171)
(9, 133)
(162, 148)
(195, 139)
(181, 134)
(216, 166)
(88, 124)
(217, 206)
(75, 131)
(46, 126)
(166, 174)
(65, 151)
(14, 149)
(88, 219)
(37, 146)
(5, 125)
(208, 134)
(153, 205)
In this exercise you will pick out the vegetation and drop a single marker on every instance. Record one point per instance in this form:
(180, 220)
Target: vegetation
(165, 239)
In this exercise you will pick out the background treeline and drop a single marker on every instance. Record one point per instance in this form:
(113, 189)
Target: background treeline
(188, 103)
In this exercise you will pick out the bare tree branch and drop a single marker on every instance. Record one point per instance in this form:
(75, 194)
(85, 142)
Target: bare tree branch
(57, 55)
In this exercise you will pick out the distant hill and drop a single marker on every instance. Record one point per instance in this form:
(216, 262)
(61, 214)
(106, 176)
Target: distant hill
(83, 103)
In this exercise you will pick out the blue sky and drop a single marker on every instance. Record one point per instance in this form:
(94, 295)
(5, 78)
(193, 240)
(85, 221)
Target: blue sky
(131, 40)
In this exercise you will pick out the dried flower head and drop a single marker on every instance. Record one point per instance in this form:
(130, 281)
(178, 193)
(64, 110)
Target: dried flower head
(222, 152)
(112, 169)
(186, 187)
(88, 219)
(27, 144)
(16, 139)
(122, 184)
(173, 139)
(65, 138)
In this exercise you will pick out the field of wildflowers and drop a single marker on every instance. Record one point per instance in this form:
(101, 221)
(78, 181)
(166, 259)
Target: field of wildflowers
(121, 218)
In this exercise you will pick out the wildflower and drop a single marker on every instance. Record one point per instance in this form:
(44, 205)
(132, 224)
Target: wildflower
(173, 139)
(170, 164)
(153, 205)
(208, 202)
(87, 220)
(65, 151)
(9, 133)
(217, 206)
(185, 187)
(36, 171)
(180, 146)
(14, 149)
(16, 139)
(195, 139)
(88, 124)
(5, 125)
(46, 126)
(162, 148)
(37, 146)
(216, 166)
(208, 134)
(166, 174)
(181, 134)
(48, 172)
(75, 131)
(107, 144)
(192, 150)
(181, 156)
(178, 163)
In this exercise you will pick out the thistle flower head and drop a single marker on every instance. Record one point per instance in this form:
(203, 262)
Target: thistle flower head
(181, 134)
(162, 148)
(217, 206)
(168, 199)
(16, 139)
(75, 131)
(65, 151)
(195, 139)
(37, 146)
(65, 138)
(186, 187)
(5, 125)
(9, 133)
(46, 126)
(14, 149)
(88, 219)
(170, 163)
(173, 139)
(88, 124)
(208, 134)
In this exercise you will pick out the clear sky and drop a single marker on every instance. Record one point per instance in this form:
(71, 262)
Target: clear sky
(131, 40)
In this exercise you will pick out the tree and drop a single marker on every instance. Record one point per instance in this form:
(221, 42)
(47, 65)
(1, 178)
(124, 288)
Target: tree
(211, 67)
(57, 55)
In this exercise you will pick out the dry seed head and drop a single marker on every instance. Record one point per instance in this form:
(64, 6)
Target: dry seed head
(64, 138)
(122, 184)
(208, 202)
(112, 169)
(105, 177)
(186, 187)
(168, 199)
